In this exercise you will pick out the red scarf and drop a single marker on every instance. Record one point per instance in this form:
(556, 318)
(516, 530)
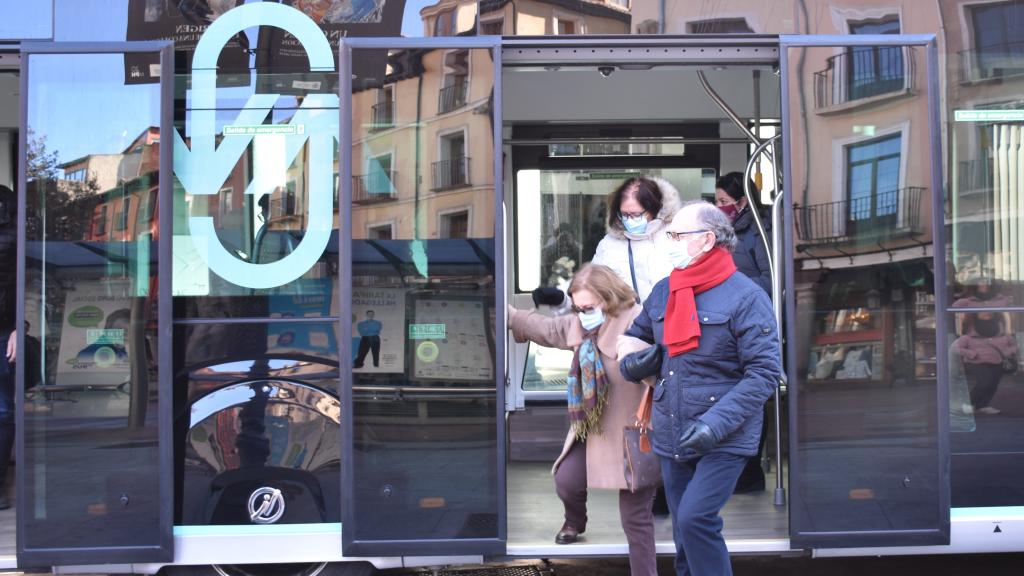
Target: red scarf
(682, 329)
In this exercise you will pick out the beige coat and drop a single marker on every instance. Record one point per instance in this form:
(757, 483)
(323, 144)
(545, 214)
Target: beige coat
(604, 450)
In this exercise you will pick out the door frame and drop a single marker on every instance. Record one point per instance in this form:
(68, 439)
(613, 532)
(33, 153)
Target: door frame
(420, 547)
(164, 550)
(887, 538)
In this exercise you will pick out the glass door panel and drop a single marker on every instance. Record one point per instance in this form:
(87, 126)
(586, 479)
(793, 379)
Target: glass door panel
(423, 383)
(868, 413)
(93, 463)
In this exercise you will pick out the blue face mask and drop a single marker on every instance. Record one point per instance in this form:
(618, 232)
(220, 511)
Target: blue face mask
(592, 319)
(635, 225)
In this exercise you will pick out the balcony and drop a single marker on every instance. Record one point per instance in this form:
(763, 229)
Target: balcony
(383, 116)
(374, 187)
(452, 97)
(870, 220)
(994, 62)
(452, 173)
(863, 75)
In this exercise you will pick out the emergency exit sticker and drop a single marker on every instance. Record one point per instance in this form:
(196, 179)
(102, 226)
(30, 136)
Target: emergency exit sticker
(426, 331)
(988, 115)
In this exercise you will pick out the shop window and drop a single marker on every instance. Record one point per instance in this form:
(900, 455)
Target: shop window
(719, 26)
(454, 224)
(872, 184)
(997, 29)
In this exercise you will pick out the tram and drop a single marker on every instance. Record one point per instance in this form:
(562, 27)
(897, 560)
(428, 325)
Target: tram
(265, 251)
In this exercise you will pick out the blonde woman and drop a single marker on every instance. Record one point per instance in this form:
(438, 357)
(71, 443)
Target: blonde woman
(601, 403)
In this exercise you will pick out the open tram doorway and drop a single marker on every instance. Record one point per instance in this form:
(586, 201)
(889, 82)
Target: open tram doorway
(577, 122)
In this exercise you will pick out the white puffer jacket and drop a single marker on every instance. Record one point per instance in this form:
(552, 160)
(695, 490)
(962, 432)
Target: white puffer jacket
(650, 254)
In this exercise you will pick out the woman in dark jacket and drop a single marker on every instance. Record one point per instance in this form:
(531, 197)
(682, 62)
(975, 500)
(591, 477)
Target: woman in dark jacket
(750, 256)
(751, 259)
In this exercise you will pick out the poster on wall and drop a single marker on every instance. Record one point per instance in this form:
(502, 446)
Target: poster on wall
(378, 330)
(451, 341)
(284, 60)
(184, 22)
(307, 298)
(94, 340)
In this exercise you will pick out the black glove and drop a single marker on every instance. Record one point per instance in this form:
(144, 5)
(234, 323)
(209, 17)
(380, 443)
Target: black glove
(697, 437)
(639, 365)
(549, 296)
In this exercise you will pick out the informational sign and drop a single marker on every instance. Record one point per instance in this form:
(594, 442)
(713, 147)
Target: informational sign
(988, 115)
(378, 330)
(94, 343)
(462, 350)
(309, 298)
(184, 23)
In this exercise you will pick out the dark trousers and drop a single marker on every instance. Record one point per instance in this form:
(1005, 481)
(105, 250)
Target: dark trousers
(368, 344)
(634, 510)
(696, 490)
(983, 380)
(6, 408)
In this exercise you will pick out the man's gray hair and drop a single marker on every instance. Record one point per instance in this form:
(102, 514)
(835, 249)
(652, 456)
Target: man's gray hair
(711, 218)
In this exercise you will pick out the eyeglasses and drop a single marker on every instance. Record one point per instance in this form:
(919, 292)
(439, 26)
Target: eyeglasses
(633, 214)
(677, 236)
(584, 309)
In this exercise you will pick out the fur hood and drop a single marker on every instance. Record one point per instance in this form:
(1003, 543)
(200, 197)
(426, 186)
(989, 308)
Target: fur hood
(670, 204)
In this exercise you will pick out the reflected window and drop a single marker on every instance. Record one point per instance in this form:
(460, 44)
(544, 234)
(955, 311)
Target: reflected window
(454, 224)
(997, 29)
(564, 27)
(452, 169)
(380, 231)
(121, 219)
(874, 70)
(455, 83)
(872, 183)
(384, 109)
(719, 26)
(445, 24)
(99, 221)
(492, 27)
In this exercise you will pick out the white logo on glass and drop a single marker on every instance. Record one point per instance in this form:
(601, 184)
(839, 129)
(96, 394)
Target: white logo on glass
(266, 505)
(203, 167)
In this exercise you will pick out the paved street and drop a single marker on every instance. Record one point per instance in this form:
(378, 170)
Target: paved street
(961, 565)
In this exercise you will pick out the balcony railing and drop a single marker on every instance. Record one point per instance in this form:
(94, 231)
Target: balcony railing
(374, 187)
(452, 97)
(886, 215)
(992, 62)
(383, 116)
(864, 72)
(451, 173)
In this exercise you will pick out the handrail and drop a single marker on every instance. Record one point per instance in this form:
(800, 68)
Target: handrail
(775, 250)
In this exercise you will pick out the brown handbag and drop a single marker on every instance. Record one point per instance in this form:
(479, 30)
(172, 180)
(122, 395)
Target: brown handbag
(641, 467)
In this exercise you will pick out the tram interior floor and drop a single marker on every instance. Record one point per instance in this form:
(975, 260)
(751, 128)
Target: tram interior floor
(535, 514)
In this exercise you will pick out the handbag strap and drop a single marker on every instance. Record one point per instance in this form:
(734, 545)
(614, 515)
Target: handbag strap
(632, 269)
(643, 412)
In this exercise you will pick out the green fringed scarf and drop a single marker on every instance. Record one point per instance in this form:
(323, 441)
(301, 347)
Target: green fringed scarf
(587, 389)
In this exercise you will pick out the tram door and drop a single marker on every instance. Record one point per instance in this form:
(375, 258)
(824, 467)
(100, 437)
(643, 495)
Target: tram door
(93, 411)
(423, 466)
(869, 455)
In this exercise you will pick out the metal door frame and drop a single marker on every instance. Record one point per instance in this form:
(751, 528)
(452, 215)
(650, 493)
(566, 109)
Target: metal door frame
(420, 547)
(847, 539)
(164, 552)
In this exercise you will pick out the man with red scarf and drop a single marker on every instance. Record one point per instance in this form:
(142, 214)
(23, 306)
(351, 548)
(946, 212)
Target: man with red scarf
(716, 362)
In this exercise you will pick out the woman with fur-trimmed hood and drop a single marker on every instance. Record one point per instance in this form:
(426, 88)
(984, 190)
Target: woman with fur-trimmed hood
(635, 243)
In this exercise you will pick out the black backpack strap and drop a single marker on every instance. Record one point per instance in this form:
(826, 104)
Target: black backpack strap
(632, 269)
